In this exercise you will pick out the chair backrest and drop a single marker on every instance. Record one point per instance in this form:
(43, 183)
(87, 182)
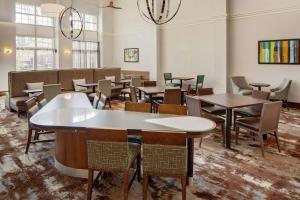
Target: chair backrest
(133, 95)
(193, 106)
(168, 76)
(102, 102)
(205, 91)
(269, 119)
(104, 86)
(136, 81)
(259, 95)
(240, 82)
(51, 91)
(96, 100)
(138, 107)
(164, 153)
(285, 88)
(149, 83)
(200, 81)
(186, 86)
(172, 96)
(172, 109)
(107, 149)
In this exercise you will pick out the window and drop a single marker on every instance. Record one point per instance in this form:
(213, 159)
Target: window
(89, 21)
(85, 54)
(31, 14)
(35, 53)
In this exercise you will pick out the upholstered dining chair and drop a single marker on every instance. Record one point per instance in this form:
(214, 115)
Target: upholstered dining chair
(32, 109)
(104, 87)
(241, 86)
(199, 83)
(110, 152)
(281, 92)
(171, 96)
(138, 107)
(136, 81)
(169, 80)
(194, 109)
(51, 91)
(164, 154)
(207, 107)
(101, 104)
(172, 109)
(251, 111)
(266, 124)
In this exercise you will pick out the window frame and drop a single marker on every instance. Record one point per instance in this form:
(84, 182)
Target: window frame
(84, 54)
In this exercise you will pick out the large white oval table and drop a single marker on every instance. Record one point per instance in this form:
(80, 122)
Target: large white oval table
(69, 113)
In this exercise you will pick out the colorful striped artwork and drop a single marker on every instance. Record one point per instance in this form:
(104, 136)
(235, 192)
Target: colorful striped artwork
(279, 52)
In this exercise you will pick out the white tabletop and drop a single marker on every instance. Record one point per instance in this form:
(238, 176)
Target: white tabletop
(75, 111)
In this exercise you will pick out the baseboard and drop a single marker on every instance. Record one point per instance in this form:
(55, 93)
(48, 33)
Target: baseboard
(294, 105)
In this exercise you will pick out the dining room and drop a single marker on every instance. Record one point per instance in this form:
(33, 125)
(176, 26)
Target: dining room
(115, 99)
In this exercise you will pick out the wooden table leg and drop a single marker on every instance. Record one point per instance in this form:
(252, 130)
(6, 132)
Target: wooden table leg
(228, 127)
(190, 157)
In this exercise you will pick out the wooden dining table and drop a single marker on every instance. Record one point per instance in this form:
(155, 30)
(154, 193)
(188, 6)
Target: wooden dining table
(229, 102)
(67, 114)
(181, 79)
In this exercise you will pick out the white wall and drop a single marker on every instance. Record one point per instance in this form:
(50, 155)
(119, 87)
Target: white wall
(255, 20)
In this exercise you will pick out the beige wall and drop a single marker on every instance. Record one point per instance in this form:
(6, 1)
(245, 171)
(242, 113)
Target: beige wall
(252, 21)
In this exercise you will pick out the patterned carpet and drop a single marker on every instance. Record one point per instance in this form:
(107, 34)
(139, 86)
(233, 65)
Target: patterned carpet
(240, 173)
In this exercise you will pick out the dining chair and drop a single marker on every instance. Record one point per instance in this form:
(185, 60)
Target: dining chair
(104, 87)
(164, 154)
(138, 107)
(281, 92)
(149, 84)
(110, 152)
(32, 109)
(266, 124)
(207, 107)
(52, 90)
(136, 81)
(241, 86)
(169, 80)
(199, 83)
(171, 96)
(251, 111)
(194, 109)
(102, 102)
(172, 109)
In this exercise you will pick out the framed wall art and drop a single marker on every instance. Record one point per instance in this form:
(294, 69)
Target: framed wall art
(279, 52)
(131, 55)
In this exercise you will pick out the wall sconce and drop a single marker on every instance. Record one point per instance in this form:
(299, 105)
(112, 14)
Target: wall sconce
(7, 51)
(67, 51)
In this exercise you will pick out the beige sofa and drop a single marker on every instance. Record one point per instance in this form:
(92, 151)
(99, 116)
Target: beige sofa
(17, 82)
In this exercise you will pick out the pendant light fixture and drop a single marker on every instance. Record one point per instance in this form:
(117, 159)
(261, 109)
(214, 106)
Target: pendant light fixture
(158, 11)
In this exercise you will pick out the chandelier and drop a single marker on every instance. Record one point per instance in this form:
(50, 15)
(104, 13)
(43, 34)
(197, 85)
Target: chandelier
(158, 11)
(71, 23)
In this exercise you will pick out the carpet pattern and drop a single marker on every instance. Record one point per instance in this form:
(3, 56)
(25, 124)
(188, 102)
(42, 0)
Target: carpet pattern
(219, 173)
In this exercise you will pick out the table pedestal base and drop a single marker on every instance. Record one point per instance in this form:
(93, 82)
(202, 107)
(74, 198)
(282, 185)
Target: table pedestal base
(77, 173)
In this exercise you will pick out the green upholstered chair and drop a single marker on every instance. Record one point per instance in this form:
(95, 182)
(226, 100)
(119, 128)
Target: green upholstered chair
(241, 86)
(169, 80)
(199, 83)
(164, 154)
(109, 151)
(51, 91)
(281, 92)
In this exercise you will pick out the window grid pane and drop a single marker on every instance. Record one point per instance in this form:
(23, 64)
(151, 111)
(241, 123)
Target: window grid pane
(25, 60)
(85, 54)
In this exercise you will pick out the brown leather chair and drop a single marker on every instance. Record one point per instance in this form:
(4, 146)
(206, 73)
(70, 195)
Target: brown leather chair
(172, 109)
(195, 109)
(266, 124)
(32, 109)
(138, 107)
(251, 111)
(164, 154)
(207, 107)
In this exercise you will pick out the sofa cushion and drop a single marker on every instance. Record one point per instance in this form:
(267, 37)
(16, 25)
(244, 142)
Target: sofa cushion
(79, 88)
(66, 76)
(34, 86)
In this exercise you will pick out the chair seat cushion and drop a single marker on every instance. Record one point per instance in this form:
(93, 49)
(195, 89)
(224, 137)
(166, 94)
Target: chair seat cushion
(216, 110)
(277, 97)
(216, 119)
(133, 150)
(251, 123)
(248, 112)
(245, 92)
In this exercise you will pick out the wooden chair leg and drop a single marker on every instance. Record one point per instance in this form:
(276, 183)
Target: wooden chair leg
(237, 132)
(109, 102)
(277, 141)
(125, 184)
(90, 184)
(145, 186)
(200, 142)
(261, 140)
(28, 140)
(138, 167)
(183, 185)
(234, 119)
